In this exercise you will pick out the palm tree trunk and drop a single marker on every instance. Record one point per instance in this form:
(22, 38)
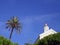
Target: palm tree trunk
(11, 33)
(3, 42)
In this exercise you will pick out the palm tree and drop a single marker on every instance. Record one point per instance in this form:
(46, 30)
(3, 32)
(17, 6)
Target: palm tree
(13, 24)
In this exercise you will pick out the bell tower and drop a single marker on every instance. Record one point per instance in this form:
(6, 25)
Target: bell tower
(46, 28)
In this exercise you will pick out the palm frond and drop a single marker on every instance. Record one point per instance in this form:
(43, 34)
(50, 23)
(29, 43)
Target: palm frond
(14, 23)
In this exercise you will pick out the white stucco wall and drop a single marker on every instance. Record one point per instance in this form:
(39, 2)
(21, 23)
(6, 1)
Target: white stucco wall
(49, 32)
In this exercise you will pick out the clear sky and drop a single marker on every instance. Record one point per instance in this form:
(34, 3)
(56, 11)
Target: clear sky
(33, 14)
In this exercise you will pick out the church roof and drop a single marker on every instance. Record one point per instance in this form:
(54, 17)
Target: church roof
(49, 32)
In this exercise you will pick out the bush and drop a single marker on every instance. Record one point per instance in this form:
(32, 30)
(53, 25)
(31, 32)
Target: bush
(5, 41)
(50, 40)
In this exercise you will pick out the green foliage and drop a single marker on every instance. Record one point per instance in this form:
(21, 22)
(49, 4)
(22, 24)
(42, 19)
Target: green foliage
(4, 41)
(50, 40)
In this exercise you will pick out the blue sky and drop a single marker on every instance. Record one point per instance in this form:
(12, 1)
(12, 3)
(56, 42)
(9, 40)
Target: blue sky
(33, 14)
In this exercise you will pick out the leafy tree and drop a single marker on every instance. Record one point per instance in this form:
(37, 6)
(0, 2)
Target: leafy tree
(50, 40)
(13, 24)
(4, 41)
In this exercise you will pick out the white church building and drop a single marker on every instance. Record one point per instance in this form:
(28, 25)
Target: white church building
(47, 31)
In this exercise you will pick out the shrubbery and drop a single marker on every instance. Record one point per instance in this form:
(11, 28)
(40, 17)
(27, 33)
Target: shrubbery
(4, 41)
(50, 40)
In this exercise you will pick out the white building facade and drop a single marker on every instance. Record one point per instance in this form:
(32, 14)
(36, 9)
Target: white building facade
(46, 32)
